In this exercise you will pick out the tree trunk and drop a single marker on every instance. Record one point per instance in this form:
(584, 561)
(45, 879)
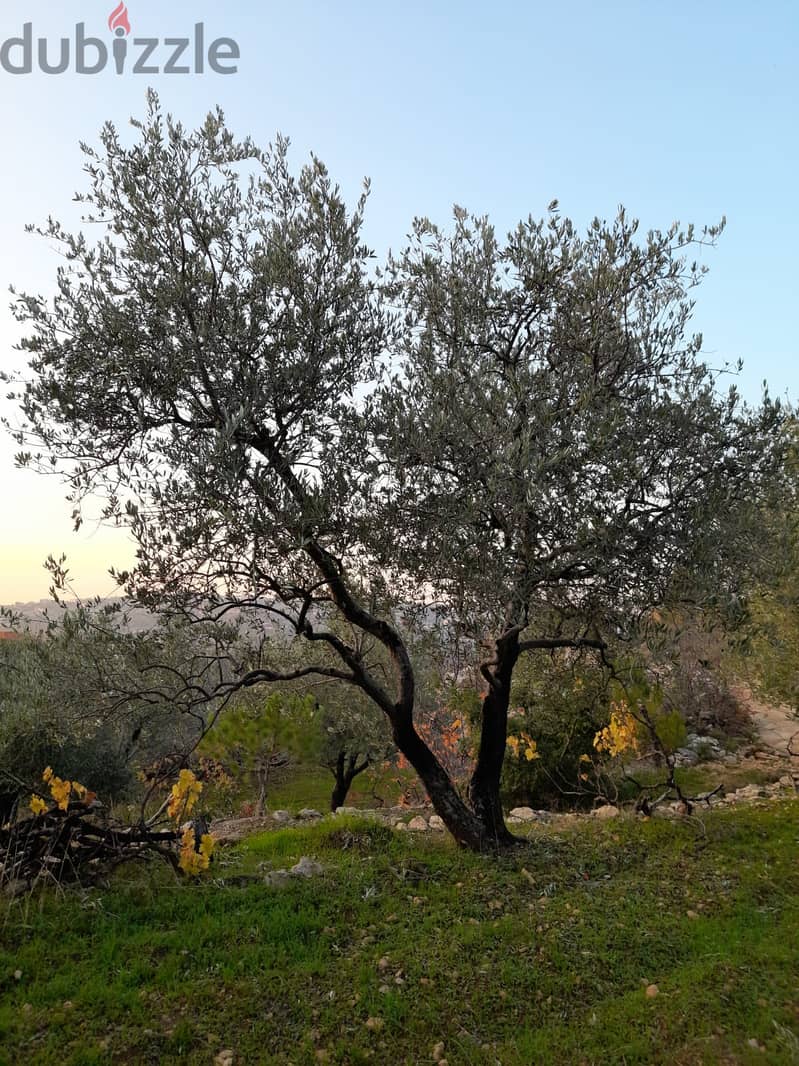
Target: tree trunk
(262, 776)
(484, 787)
(462, 823)
(345, 772)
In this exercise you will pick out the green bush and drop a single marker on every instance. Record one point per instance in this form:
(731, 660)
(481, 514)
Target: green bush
(560, 702)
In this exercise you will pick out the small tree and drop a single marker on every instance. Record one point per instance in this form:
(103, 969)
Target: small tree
(354, 739)
(258, 734)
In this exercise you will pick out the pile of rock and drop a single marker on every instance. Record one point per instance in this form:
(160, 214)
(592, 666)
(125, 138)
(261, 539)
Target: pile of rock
(701, 749)
(420, 824)
(304, 868)
(788, 783)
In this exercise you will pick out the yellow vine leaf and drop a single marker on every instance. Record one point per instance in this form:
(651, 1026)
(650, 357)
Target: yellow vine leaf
(184, 795)
(621, 733)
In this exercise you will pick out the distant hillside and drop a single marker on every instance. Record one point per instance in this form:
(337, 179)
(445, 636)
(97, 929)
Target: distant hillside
(37, 613)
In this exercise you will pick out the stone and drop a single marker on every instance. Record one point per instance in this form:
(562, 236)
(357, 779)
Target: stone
(307, 813)
(437, 822)
(524, 814)
(306, 868)
(651, 991)
(224, 1058)
(281, 816)
(401, 826)
(418, 824)
(608, 811)
(277, 879)
(685, 757)
(347, 810)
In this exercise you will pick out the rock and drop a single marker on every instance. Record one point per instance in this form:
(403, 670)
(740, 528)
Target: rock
(307, 813)
(524, 814)
(281, 816)
(347, 810)
(436, 822)
(277, 879)
(375, 1024)
(418, 824)
(685, 757)
(438, 1052)
(787, 781)
(306, 868)
(224, 1058)
(651, 991)
(608, 811)
(402, 826)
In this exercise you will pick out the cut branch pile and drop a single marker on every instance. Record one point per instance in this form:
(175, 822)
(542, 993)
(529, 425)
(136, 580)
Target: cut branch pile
(78, 844)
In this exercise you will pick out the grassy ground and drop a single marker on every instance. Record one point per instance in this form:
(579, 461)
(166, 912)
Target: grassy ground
(405, 942)
(309, 786)
(301, 786)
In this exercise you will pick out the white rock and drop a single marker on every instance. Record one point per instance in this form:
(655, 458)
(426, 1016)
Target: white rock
(306, 868)
(436, 822)
(277, 879)
(308, 812)
(608, 811)
(347, 810)
(524, 814)
(281, 816)
(402, 826)
(418, 824)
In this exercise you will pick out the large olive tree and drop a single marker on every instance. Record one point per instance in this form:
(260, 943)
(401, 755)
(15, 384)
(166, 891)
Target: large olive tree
(546, 443)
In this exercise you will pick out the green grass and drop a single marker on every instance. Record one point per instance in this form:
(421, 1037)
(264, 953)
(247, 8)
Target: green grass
(543, 958)
(310, 786)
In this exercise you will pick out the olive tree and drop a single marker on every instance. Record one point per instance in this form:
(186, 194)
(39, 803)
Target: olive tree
(555, 458)
(294, 438)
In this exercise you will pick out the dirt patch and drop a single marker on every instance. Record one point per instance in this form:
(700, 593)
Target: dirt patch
(776, 725)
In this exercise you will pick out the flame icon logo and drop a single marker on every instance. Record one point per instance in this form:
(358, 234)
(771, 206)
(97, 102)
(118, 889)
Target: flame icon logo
(118, 21)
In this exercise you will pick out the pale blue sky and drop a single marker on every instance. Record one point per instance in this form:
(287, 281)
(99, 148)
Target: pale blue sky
(678, 110)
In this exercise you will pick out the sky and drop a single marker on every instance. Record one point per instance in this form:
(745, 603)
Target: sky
(679, 110)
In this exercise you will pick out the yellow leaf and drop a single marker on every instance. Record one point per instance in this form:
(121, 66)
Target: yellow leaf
(37, 805)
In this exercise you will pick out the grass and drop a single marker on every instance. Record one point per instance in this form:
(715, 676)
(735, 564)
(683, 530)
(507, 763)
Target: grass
(296, 787)
(543, 958)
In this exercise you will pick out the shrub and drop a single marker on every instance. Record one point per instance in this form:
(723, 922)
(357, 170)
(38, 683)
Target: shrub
(561, 703)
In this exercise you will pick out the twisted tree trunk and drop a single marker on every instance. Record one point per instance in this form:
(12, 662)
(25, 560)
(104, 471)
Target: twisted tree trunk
(484, 787)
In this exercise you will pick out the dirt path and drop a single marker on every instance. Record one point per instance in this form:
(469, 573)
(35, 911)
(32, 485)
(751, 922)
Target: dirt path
(776, 725)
